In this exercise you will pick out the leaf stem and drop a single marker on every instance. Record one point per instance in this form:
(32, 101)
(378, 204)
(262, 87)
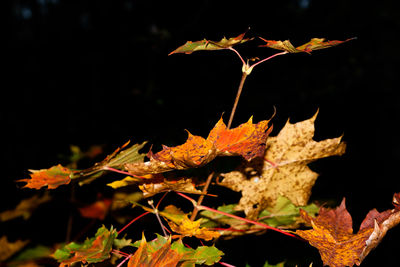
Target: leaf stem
(237, 53)
(200, 207)
(203, 193)
(244, 75)
(158, 217)
(268, 58)
(134, 220)
(122, 172)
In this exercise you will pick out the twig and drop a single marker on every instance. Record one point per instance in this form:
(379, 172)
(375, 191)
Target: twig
(203, 193)
(239, 92)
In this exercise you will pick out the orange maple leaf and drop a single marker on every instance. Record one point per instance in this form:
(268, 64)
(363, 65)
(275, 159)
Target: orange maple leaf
(165, 256)
(52, 178)
(247, 140)
(332, 233)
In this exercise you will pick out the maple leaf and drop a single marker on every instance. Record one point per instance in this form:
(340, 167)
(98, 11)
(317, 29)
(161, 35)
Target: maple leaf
(247, 140)
(117, 159)
(208, 255)
(7, 249)
(52, 177)
(95, 249)
(163, 256)
(189, 47)
(182, 185)
(314, 44)
(25, 208)
(192, 228)
(96, 210)
(284, 170)
(333, 236)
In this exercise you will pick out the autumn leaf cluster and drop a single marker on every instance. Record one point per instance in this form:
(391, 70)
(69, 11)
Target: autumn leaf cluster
(273, 178)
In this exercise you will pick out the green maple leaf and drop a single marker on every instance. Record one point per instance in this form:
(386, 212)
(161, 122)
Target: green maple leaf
(189, 47)
(95, 249)
(208, 255)
(314, 44)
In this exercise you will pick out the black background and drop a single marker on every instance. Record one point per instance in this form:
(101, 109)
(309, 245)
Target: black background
(98, 72)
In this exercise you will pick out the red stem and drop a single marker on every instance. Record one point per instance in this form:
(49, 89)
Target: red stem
(134, 220)
(123, 172)
(200, 207)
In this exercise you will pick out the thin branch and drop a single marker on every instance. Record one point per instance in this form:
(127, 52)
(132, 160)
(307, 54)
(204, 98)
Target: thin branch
(204, 192)
(122, 172)
(134, 220)
(158, 217)
(244, 75)
(200, 207)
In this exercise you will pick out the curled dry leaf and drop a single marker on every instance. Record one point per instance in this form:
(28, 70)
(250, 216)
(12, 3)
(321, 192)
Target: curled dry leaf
(247, 140)
(184, 185)
(283, 170)
(189, 47)
(314, 44)
(332, 234)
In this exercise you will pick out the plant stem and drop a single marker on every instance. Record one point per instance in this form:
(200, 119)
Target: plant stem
(244, 75)
(268, 58)
(204, 192)
(200, 207)
(137, 218)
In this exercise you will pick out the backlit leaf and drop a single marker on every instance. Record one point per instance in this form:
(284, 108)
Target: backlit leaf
(95, 249)
(189, 47)
(192, 228)
(52, 178)
(247, 140)
(314, 44)
(208, 255)
(284, 170)
(181, 185)
(333, 236)
(96, 210)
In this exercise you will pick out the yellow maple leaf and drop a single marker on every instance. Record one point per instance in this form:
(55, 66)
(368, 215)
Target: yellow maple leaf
(283, 170)
(192, 228)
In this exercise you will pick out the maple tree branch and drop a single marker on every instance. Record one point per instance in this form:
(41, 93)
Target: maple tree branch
(244, 75)
(203, 193)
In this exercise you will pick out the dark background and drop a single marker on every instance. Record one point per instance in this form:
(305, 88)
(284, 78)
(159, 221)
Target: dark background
(97, 72)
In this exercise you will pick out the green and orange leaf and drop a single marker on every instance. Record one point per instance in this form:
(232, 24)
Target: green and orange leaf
(189, 47)
(333, 236)
(314, 44)
(95, 249)
(188, 257)
(52, 177)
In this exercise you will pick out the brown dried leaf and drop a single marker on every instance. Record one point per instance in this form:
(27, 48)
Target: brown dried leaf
(332, 234)
(182, 185)
(284, 170)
